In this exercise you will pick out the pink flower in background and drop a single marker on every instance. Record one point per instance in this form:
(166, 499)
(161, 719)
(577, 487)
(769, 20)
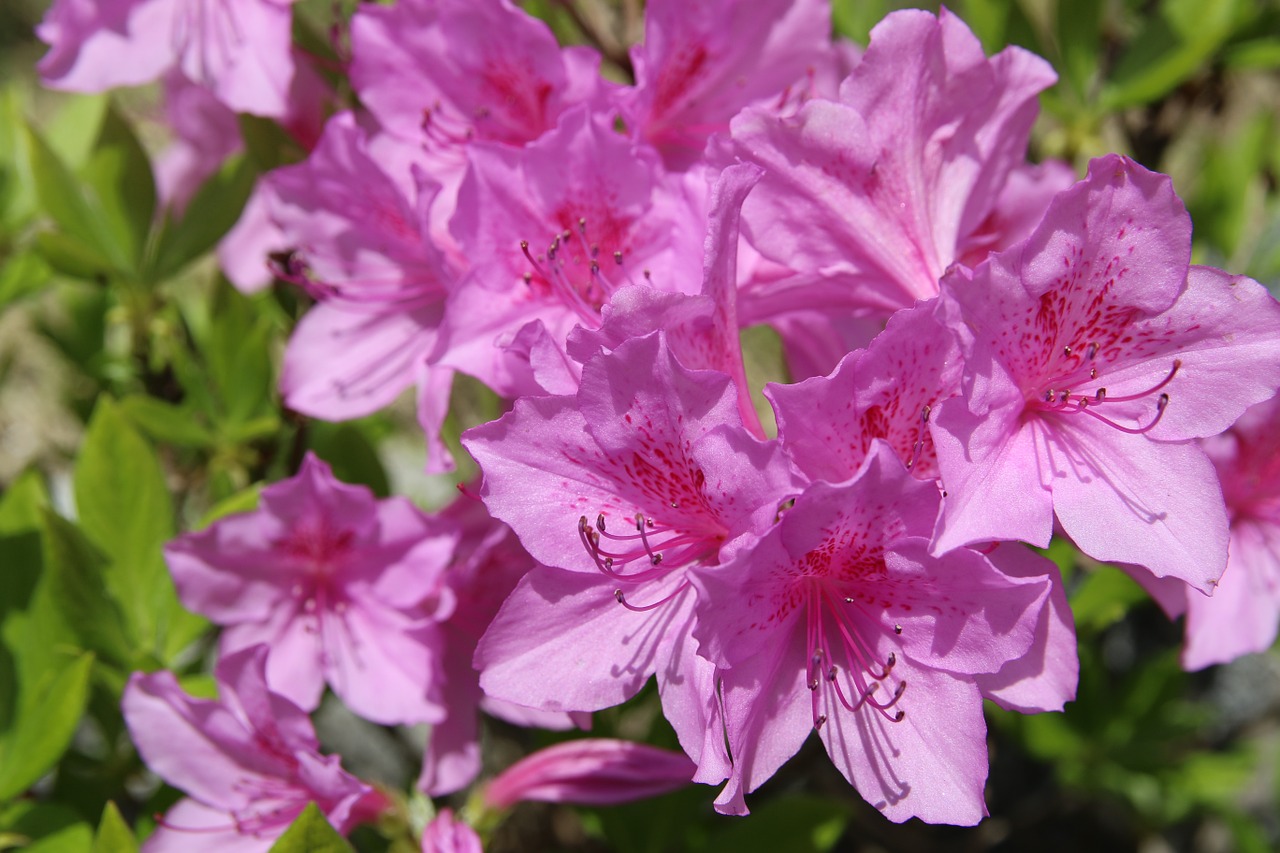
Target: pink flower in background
(1243, 614)
(447, 834)
(249, 762)
(552, 231)
(1093, 356)
(839, 620)
(442, 73)
(590, 772)
(237, 49)
(868, 200)
(487, 563)
(699, 64)
(337, 584)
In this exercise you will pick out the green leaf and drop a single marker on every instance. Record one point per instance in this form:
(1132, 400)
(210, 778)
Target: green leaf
(268, 145)
(238, 353)
(22, 274)
(119, 172)
(244, 501)
(44, 727)
(311, 833)
(1079, 41)
(64, 199)
(351, 455)
(76, 575)
(114, 835)
(1172, 45)
(1103, 598)
(210, 214)
(124, 506)
(74, 129)
(177, 425)
(44, 827)
(799, 823)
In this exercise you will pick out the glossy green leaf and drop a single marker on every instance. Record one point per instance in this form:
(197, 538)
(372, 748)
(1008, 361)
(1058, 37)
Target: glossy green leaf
(119, 172)
(311, 833)
(1079, 44)
(44, 725)
(124, 506)
(114, 835)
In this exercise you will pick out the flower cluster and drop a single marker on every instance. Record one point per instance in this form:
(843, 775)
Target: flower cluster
(985, 350)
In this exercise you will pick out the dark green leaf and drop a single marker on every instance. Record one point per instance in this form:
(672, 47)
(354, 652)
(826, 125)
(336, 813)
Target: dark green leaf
(351, 455)
(311, 833)
(76, 575)
(1079, 43)
(797, 823)
(114, 835)
(44, 828)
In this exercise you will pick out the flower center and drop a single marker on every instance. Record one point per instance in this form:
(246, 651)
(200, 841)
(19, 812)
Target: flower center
(579, 268)
(1082, 368)
(832, 637)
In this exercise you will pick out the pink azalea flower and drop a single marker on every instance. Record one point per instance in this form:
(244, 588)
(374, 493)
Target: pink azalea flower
(700, 64)
(895, 181)
(447, 834)
(702, 331)
(336, 583)
(642, 474)
(441, 73)
(1093, 356)
(488, 561)
(590, 772)
(828, 424)
(206, 133)
(549, 244)
(237, 49)
(839, 620)
(1243, 614)
(359, 245)
(249, 761)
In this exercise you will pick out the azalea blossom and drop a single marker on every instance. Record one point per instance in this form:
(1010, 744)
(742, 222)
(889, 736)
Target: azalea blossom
(487, 563)
(1093, 355)
(336, 583)
(591, 771)
(619, 490)
(1243, 614)
(868, 199)
(237, 49)
(249, 762)
(700, 64)
(552, 231)
(839, 621)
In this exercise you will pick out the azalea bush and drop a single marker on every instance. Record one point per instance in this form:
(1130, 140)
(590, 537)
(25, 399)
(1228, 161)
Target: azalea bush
(463, 424)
